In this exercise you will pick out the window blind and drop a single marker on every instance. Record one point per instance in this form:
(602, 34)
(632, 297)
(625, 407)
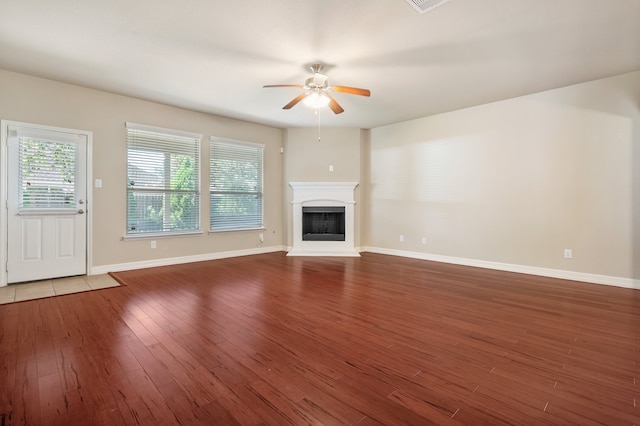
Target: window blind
(236, 185)
(163, 169)
(47, 174)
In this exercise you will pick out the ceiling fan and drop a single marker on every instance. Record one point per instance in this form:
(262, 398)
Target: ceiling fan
(317, 91)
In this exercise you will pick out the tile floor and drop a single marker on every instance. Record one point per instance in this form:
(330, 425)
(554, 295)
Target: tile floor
(57, 287)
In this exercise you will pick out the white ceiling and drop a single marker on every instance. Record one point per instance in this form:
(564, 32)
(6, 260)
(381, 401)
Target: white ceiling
(215, 56)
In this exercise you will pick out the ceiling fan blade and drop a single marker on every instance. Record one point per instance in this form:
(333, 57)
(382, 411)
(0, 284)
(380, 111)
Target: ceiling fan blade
(298, 86)
(351, 90)
(334, 105)
(294, 101)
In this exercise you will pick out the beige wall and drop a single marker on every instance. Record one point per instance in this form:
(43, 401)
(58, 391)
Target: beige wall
(513, 182)
(307, 160)
(40, 101)
(516, 182)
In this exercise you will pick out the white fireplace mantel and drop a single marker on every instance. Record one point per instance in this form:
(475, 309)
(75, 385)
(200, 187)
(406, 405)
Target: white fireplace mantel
(335, 194)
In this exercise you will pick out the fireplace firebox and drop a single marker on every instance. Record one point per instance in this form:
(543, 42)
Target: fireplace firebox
(323, 223)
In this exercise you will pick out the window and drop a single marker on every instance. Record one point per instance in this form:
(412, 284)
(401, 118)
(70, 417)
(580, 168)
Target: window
(163, 175)
(46, 174)
(235, 185)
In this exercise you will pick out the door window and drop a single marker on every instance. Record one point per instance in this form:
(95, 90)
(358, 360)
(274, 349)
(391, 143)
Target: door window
(46, 174)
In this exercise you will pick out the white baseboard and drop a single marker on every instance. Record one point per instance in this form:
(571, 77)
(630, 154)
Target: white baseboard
(522, 269)
(350, 253)
(103, 269)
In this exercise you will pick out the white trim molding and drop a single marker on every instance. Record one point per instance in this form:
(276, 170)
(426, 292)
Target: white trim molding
(103, 269)
(508, 267)
(522, 269)
(9, 125)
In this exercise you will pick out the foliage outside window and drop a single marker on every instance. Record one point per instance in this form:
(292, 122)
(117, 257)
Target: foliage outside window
(236, 185)
(163, 170)
(47, 173)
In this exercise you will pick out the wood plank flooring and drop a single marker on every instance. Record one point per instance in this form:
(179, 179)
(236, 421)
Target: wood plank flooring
(376, 340)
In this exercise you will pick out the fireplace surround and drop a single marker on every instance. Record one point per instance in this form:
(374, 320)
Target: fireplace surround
(323, 220)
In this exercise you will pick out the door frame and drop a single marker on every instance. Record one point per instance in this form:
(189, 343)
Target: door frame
(4, 165)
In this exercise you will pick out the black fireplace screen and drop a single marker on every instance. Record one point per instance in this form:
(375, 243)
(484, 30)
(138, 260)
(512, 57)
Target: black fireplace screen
(323, 223)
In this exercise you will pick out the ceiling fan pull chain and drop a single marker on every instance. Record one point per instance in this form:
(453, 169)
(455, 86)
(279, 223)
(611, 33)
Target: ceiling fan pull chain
(318, 114)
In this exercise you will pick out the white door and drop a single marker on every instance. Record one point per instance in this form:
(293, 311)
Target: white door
(46, 203)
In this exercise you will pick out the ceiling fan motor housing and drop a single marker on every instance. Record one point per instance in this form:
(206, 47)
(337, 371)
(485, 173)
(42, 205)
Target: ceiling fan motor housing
(317, 81)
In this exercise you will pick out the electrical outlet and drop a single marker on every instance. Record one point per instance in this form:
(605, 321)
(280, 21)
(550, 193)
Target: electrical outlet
(402, 238)
(153, 244)
(568, 254)
(424, 240)
(331, 167)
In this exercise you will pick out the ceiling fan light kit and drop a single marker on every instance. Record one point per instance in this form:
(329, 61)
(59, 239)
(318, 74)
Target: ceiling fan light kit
(317, 91)
(316, 100)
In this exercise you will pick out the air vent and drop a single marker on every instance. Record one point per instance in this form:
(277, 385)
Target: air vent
(424, 6)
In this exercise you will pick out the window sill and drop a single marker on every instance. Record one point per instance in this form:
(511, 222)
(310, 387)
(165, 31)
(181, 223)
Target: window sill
(218, 231)
(150, 236)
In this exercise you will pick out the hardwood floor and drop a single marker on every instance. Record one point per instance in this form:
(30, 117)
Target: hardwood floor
(276, 340)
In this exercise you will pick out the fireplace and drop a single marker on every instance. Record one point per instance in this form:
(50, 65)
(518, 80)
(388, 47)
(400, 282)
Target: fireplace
(323, 223)
(323, 219)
